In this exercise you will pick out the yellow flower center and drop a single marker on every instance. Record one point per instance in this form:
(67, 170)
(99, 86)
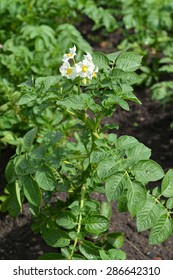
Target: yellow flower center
(84, 68)
(69, 70)
(94, 74)
(69, 55)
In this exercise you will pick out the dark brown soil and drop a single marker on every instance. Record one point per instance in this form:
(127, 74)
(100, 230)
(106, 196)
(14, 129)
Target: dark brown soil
(150, 124)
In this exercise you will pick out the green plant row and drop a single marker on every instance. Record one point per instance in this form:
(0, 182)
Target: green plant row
(63, 163)
(32, 43)
(33, 36)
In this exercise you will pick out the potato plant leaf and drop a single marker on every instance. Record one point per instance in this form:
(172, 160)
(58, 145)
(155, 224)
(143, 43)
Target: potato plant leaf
(56, 238)
(66, 220)
(167, 184)
(29, 138)
(129, 61)
(136, 196)
(31, 190)
(147, 171)
(96, 224)
(89, 250)
(115, 186)
(100, 60)
(112, 254)
(149, 214)
(161, 230)
(45, 179)
(27, 98)
(116, 239)
(106, 168)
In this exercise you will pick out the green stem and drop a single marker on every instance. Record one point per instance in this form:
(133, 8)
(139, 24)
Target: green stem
(98, 120)
(94, 136)
(78, 86)
(83, 190)
(157, 201)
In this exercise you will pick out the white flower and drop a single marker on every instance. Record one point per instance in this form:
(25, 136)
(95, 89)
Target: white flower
(88, 57)
(85, 69)
(69, 55)
(68, 71)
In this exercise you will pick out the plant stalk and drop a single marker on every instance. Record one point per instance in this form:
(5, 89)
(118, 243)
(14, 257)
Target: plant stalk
(83, 190)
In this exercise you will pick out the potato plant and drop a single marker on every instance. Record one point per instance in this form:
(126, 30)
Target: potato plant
(146, 26)
(61, 165)
(31, 44)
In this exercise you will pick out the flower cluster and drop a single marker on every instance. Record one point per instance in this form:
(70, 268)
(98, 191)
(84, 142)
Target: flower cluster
(83, 69)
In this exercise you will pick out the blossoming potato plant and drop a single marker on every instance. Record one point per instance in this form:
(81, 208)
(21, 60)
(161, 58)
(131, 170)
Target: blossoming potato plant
(60, 173)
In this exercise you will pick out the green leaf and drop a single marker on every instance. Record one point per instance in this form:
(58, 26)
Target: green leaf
(68, 35)
(89, 250)
(112, 100)
(128, 78)
(91, 206)
(106, 168)
(167, 184)
(128, 95)
(169, 203)
(149, 214)
(115, 186)
(29, 138)
(31, 190)
(100, 60)
(117, 74)
(11, 205)
(161, 230)
(13, 202)
(46, 82)
(139, 152)
(113, 56)
(96, 224)
(126, 142)
(129, 61)
(66, 220)
(106, 209)
(131, 78)
(75, 102)
(46, 179)
(122, 202)
(56, 238)
(116, 239)
(116, 254)
(104, 255)
(112, 254)
(27, 98)
(109, 127)
(98, 155)
(10, 172)
(156, 192)
(136, 196)
(23, 166)
(35, 210)
(147, 171)
(78, 257)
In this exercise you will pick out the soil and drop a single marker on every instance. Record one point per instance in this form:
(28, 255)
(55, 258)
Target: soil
(150, 124)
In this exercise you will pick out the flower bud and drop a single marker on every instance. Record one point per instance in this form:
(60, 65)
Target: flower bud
(84, 81)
